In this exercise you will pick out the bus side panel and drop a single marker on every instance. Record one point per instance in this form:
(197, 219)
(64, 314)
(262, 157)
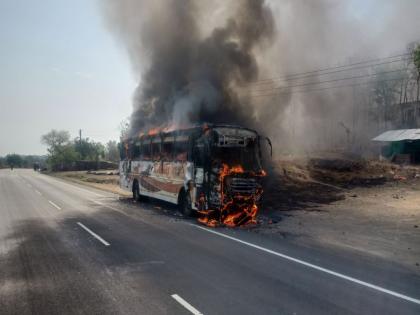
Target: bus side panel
(125, 176)
(161, 180)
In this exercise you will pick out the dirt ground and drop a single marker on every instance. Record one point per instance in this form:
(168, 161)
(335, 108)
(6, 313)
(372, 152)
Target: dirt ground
(369, 207)
(105, 180)
(363, 206)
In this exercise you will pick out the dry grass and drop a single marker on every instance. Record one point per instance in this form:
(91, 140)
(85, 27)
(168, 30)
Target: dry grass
(99, 180)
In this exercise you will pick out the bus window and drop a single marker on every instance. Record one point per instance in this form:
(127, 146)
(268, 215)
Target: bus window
(135, 154)
(156, 144)
(181, 151)
(145, 150)
(168, 149)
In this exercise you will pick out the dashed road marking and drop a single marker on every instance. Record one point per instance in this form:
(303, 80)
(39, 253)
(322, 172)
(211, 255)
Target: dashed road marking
(185, 304)
(38, 192)
(93, 234)
(54, 205)
(319, 268)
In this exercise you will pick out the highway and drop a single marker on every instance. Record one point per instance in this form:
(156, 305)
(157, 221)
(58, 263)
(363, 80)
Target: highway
(69, 249)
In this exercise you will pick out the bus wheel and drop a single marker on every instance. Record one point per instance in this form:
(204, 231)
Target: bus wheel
(185, 204)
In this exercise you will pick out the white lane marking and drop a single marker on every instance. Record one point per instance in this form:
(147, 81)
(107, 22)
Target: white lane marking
(52, 203)
(94, 234)
(319, 268)
(185, 304)
(38, 192)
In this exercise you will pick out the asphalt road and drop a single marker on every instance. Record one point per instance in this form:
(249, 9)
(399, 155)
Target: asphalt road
(68, 249)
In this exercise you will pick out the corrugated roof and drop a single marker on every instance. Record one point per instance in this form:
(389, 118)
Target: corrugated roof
(398, 135)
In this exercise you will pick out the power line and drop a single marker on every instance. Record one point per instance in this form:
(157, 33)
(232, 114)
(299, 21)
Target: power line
(327, 81)
(324, 88)
(322, 74)
(290, 76)
(339, 67)
(80, 137)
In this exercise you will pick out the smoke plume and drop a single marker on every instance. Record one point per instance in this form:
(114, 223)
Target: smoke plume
(191, 73)
(213, 60)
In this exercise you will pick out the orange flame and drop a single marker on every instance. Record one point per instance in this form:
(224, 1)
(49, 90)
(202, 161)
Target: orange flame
(154, 131)
(235, 210)
(163, 129)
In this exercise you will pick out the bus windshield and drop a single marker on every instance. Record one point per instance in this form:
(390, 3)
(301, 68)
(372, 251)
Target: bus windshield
(245, 156)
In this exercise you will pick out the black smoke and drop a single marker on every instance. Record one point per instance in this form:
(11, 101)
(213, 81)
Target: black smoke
(190, 77)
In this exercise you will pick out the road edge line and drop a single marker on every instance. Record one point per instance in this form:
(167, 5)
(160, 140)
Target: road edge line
(319, 268)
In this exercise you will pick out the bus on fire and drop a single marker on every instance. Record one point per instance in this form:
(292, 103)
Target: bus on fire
(212, 169)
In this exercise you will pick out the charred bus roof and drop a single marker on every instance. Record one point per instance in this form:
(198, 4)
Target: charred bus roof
(222, 130)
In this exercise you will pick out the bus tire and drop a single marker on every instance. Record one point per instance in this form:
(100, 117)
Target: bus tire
(185, 204)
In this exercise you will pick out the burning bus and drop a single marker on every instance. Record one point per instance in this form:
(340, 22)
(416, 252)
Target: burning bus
(214, 170)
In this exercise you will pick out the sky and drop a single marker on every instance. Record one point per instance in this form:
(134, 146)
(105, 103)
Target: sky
(60, 68)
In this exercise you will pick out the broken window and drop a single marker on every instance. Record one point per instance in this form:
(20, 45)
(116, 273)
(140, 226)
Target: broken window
(181, 149)
(156, 149)
(145, 150)
(135, 150)
(168, 148)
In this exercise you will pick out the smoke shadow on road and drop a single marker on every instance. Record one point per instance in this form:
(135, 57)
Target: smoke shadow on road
(38, 275)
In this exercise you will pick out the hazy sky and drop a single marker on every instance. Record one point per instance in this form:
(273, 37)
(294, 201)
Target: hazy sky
(59, 68)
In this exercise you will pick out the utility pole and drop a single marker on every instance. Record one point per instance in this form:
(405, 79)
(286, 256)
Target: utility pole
(80, 138)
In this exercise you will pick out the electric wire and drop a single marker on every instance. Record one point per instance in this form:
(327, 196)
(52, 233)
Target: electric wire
(324, 88)
(274, 80)
(327, 81)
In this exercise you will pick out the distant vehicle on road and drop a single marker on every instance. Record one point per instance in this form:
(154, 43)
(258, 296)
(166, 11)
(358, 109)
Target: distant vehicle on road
(212, 169)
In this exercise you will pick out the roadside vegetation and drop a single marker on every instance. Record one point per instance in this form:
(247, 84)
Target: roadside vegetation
(21, 161)
(65, 153)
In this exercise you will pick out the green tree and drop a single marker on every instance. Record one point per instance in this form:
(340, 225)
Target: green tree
(63, 158)
(14, 160)
(28, 161)
(111, 151)
(416, 61)
(98, 151)
(124, 127)
(385, 91)
(61, 153)
(89, 150)
(55, 140)
(83, 148)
